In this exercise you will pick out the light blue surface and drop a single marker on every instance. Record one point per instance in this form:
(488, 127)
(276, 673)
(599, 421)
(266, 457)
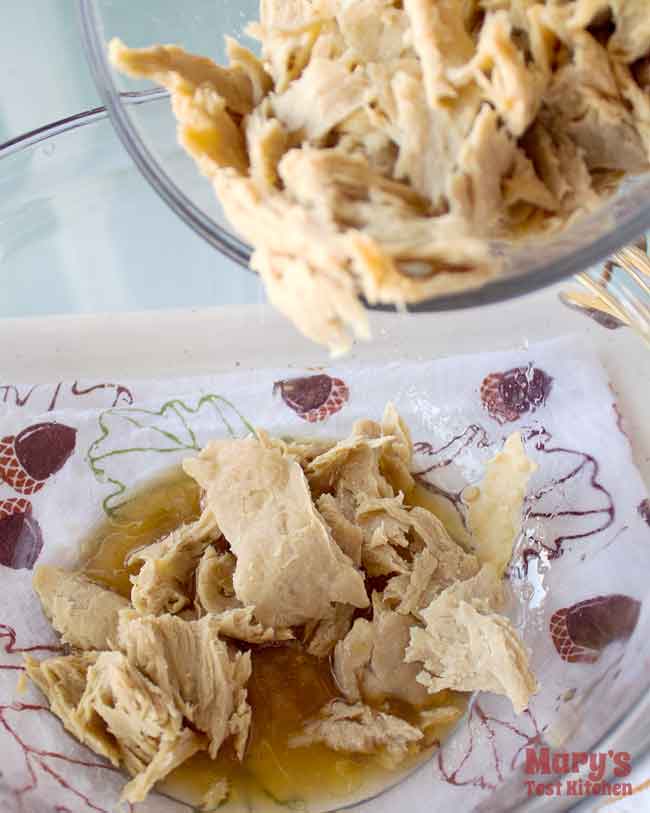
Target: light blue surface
(80, 230)
(44, 75)
(44, 72)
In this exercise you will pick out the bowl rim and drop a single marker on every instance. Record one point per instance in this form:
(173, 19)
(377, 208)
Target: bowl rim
(31, 137)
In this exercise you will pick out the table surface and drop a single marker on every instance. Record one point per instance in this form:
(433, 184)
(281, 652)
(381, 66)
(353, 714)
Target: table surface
(45, 78)
(34, 91)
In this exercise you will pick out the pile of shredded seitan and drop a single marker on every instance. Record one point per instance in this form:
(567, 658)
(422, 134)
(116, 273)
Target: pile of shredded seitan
(308, 542)
(377, 146)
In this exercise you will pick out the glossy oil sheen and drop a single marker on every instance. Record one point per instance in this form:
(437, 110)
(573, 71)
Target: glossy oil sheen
(287, 687)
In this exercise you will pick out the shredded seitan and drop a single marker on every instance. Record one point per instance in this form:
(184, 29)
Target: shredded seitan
(162, 584)
(467, 646)
(359, 729)
(288, 565)
(379, 148)
(84, 613)
(307, 544)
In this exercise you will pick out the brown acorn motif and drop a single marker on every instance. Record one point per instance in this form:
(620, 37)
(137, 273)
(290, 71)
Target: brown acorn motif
(582, 631)
(644, 510)
(21, 540)
(28, 459)
(508, 395)
(313, 398)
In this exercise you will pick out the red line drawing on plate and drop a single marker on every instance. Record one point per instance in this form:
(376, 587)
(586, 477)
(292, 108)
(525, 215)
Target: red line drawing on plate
(20, 396)
(564, 520)
(483, 725)
(445, 456)
(473, 435)
(38, 759)
(8, 634)
(552, 501)
(120, 391)
(19, 399)
(620, 421)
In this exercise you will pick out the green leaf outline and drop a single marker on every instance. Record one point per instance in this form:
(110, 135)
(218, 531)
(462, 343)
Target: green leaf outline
(181, 410)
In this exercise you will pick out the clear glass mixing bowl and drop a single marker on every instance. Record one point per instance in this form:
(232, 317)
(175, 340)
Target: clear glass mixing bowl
(149, 134)
(82, 233)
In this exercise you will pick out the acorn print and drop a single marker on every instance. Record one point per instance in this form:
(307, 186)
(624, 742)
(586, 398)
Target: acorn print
(582, 631)
(644, 510)
(313, 398)
(36, 453)
(21, 540)
(507, 396)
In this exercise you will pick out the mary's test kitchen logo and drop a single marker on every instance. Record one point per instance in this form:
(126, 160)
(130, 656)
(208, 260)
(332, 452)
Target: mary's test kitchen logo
(592, 767)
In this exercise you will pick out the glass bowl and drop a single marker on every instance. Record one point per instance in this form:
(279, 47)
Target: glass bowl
(78, 223)
(83, 236)
(148, 133)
